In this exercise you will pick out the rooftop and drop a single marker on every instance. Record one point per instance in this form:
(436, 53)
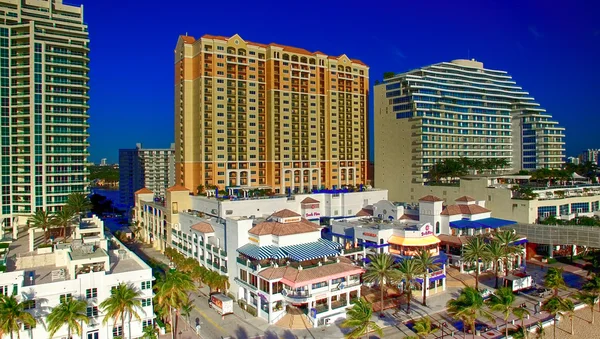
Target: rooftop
(380, 224)
(280, 229)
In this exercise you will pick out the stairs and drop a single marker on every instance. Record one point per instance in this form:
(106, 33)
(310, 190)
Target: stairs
(294, 322)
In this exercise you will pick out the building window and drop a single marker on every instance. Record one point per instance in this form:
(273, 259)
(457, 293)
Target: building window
(580, 207)
(29, 304)
(65, 297)
(146, 302)
(437, 227)
(147, 323)
(92, 311)
(117, 331)
(93, 335)
(546, 211)
(91, 293)
(264, 285)
(564, 209)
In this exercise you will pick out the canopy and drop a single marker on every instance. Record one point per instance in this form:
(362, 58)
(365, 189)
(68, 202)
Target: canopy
(422, 241)
(261, 253)
(577, 176)
(481, 223)
(309, 251)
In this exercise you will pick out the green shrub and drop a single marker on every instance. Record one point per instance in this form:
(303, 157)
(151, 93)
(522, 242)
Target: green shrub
(251, 310)
(4, 245)
(2, 268)
(45, 245)
(552, 261)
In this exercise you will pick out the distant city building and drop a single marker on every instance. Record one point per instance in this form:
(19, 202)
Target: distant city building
(151, 168)
(86, 268)
(590, 155)
(103, 162)
(573, 160)
(44, 64)
(458, 109)
(256, 115)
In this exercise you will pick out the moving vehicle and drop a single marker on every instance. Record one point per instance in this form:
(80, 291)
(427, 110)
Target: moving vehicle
(518, 282)
(221, 303)
(542, 292)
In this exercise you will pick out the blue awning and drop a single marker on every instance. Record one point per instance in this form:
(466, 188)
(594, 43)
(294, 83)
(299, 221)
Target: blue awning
(309, 251)
(261, 253)
(520, 242)
(481, 223)
(370, 244)
(331, 244)
(431, 279)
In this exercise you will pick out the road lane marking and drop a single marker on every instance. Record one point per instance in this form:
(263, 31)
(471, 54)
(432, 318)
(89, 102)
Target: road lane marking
(210, 320)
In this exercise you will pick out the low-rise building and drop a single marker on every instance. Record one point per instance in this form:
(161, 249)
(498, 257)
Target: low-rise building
(85, 268)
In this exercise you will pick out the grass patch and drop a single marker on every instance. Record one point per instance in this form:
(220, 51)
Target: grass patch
(2, 268)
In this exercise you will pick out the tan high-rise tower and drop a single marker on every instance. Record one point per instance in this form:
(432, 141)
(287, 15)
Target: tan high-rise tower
(256, 115)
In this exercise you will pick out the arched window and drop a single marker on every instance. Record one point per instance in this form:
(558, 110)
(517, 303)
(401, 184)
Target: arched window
(437, 227)
(295, 58)
(286, 57)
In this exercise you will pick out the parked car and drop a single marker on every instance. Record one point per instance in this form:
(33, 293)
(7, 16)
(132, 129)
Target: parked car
(542, 292)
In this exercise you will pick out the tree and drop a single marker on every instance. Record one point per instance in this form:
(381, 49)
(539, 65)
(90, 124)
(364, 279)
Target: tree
(149, 332)
(200, 189)
(186, 309)
(41, 219)
(554, 306)
(593, 287)
(382, 271)
(495, 254)
(172, 292)
(502, 301)
(359, 319)
(507, 241)
(13, 316)
(539, 330)
(476, 251)
(568, 308)
(387, 75)
(124, 302)
(79, 203)
(70, 312)
(467, 307)
(554, 279)
(521, 313)
(424, 262)
(408, 271)
(589, 299)
(423, 327)
(63, 218)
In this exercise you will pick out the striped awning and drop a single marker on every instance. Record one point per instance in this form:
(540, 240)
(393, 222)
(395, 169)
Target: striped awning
(261, 252)
(331, 244)
(309, 251)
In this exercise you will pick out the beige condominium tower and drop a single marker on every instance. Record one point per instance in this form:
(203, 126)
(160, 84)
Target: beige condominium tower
(44, 80)
(251, 115)
(457, 109)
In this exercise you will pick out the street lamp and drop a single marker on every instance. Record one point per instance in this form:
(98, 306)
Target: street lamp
(442, 325)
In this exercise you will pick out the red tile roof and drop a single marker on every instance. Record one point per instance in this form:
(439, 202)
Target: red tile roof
(453, 239)
(364, 213)
(285, 214)
(430, 198)
(176, 188)
(309, 200)
(203, 227)
(464, 209)
(293, 277)
(279, 229)
(465, 198)
(143, 191)
(187, 39)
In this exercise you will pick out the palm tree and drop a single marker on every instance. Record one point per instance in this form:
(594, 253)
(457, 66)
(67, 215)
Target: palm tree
(554, 306)
(43, 220)
(554, 279)
(124, 302)
(198, 274)
(70, 312)
(467, 307)
(568, 307)
(539, 330)
(408, 271)
(149, 332)
(172, 293)
(476, 251)
(423, 327)
(381, 270)
(359, 319)
(588, 299)
(424, 262)
(502, 301)
(521, 313)
(63, 218)
(186, 309)
(13, 316)
(507, 240)
(495, 254)
(593, 286)
(79, 203)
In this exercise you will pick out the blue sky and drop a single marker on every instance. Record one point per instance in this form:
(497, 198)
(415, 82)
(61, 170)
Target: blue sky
(551, 51)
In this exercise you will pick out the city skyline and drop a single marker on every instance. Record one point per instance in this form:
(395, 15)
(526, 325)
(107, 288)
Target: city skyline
(543, 47)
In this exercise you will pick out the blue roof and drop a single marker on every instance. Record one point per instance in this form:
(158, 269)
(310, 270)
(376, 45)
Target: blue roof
(310, 251)
(481, 223)
(261, 253)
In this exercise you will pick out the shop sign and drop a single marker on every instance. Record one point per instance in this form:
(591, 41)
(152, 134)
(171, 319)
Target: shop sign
(426, 230)
(370, 235)
(312, 214)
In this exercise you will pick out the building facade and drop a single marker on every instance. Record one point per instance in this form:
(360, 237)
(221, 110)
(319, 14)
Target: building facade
(86, 268)
(457, 109)
(44, 65)
(151, 168)
(255, 115)
(590, 155)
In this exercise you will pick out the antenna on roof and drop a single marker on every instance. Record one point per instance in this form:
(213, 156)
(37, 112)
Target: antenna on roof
(185, 33)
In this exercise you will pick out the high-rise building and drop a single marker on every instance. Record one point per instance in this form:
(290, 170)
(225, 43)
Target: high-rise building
(103, 162)
(44, 65)
(268, 116)
(457, 109)
(590, 155)
(151, 168)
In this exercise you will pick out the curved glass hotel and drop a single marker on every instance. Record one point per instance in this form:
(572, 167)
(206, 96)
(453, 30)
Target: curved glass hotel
(458, 109)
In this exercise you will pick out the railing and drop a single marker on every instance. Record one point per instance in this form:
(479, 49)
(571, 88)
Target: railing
(354, 250)
(297, 294)
(208, 246)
